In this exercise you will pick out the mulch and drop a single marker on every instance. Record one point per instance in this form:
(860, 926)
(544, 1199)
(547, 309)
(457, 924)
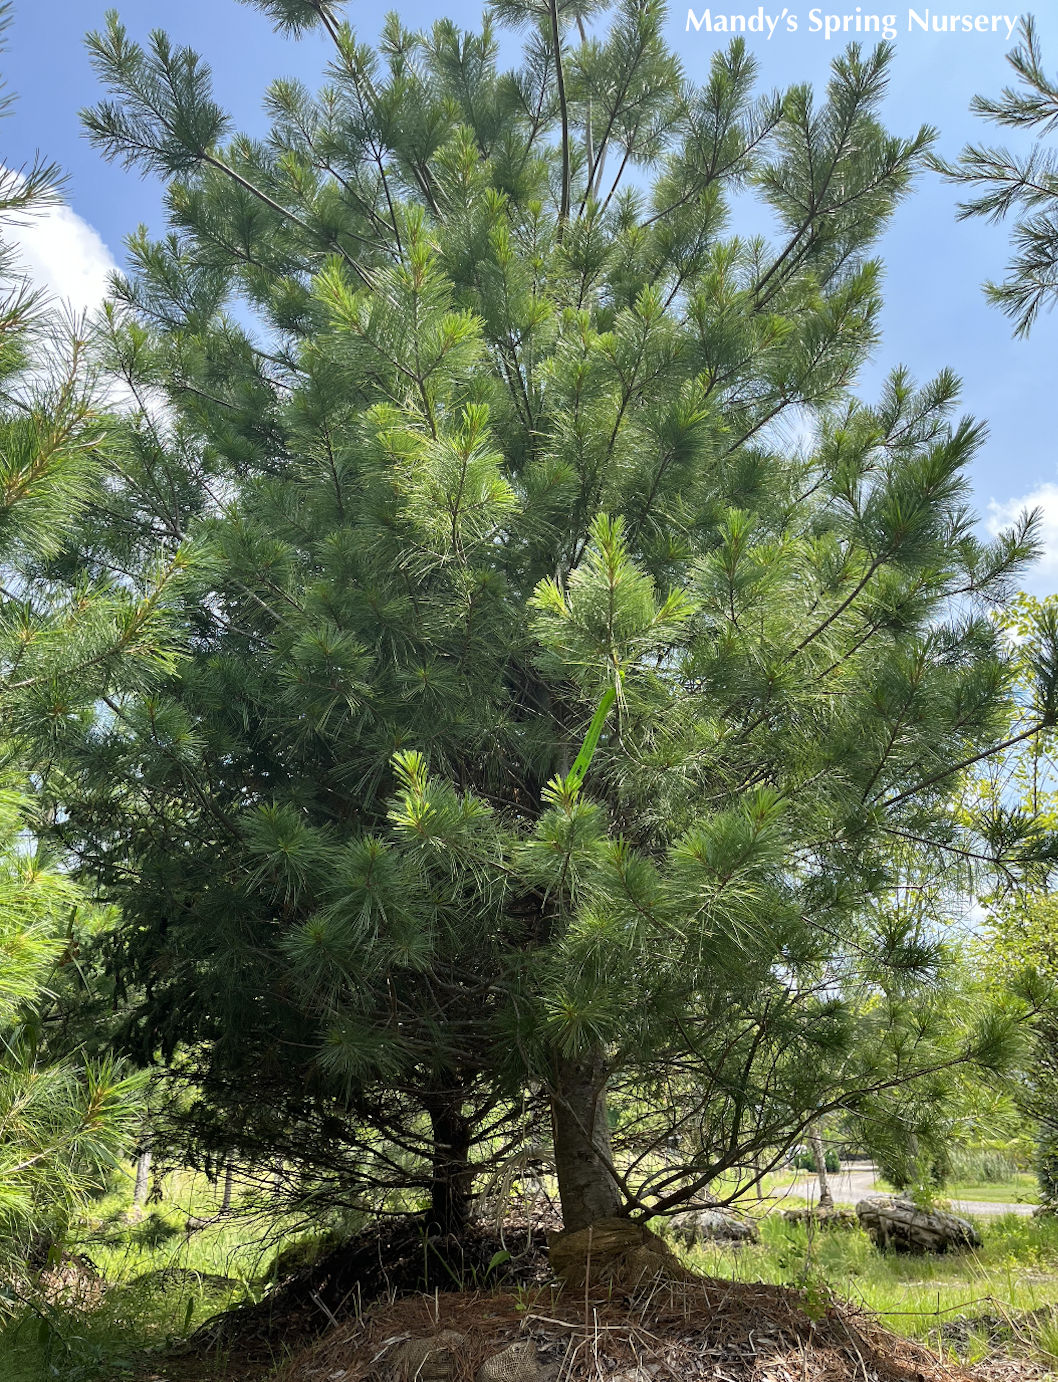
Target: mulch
(722, 1330)
(391, 1260)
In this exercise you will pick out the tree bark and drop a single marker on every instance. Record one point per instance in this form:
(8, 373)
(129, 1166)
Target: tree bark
(225, 1203)
(826, 1200)
(452, 1180)
(143, 1171)
(582, 1143)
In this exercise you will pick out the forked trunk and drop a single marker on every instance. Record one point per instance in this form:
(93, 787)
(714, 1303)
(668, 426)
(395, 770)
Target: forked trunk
(582, 1143)
(452, 1179)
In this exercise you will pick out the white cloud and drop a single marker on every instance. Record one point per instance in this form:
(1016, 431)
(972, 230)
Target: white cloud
(65, 255)
(1044, 498)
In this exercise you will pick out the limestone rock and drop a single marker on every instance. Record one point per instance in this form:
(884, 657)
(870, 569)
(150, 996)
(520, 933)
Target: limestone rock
(906, 1226)
(712, 1226)
(515, 1364)
(425, 1360)
(620, 1252)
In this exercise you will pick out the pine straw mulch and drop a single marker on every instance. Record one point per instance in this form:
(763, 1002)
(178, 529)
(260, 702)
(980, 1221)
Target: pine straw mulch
(719, 1330)
(393, 1259)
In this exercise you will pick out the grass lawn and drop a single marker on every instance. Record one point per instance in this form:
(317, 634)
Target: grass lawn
(1022, 1190)
(1016, 1270)
(1019, 1189)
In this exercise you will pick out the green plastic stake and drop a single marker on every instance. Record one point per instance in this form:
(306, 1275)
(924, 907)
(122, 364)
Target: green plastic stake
(582, 762)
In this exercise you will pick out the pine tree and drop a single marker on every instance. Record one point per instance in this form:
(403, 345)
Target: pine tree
(1026, 187)
(67, 637)
(551, 720)
(64, 1122)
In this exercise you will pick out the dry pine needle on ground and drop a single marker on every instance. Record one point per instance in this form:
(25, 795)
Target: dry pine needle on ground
(722, 1330)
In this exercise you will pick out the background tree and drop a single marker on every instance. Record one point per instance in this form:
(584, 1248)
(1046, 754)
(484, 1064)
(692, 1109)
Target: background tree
(548, 722)
(1021, 789)
(1019, 796)
(64, 1119)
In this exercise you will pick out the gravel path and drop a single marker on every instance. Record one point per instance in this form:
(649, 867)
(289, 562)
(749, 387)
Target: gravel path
(855, 1182)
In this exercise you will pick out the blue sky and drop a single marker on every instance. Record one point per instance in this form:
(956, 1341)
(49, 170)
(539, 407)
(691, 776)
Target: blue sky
(935, 314)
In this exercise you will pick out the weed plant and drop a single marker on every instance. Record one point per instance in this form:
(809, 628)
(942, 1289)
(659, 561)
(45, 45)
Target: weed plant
(987, 1166)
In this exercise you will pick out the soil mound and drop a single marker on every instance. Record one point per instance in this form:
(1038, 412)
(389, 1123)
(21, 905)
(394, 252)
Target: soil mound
(719, 1330)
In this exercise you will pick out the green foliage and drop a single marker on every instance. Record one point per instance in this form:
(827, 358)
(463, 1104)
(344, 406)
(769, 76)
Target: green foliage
(537, 704)
(1019, 800)
(65, 631)
(805, 1161)
(1047, 1167)
(1025, 186)
(986, 1165)
(155, 1294)
(61, 1124)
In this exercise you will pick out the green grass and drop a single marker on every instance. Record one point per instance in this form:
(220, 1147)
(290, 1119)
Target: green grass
(1015, 1271)
(162, 1283)
(124, 1250)
(1022, 1190)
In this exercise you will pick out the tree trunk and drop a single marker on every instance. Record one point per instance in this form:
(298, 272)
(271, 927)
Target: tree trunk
(143, 1171)
(452, 1178)
(815, 1138)
(225, 1203)
(582, 1134)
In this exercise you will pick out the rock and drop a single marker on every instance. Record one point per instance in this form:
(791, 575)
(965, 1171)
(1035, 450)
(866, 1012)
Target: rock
(183, 1279)
(426, 1360)
(620, 1252)
(832, 1216)
(907, 1227)
(712, 1226)
(196, 1222)
(72, 1280)
(515, 1364)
